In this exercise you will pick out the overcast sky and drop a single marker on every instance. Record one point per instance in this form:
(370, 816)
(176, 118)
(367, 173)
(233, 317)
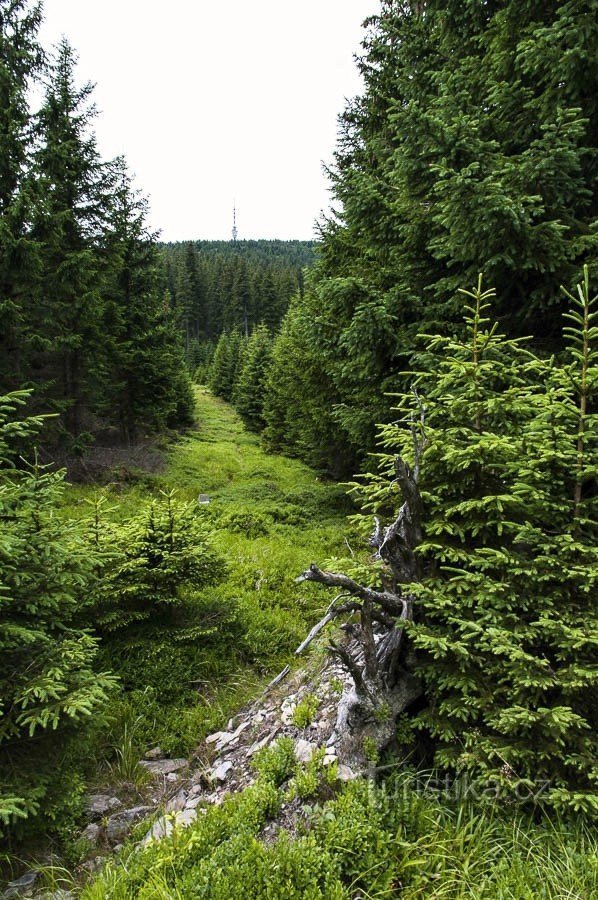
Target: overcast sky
(219, 100)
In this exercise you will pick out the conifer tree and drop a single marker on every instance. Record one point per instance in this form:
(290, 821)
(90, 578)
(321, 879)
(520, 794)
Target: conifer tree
(69, 223)
(471, 148)
(20, 64)
(223, 371)
(49, 687)
(149, 605)
(493, 454)
(297, 404)
(249, 389)
(146, 385)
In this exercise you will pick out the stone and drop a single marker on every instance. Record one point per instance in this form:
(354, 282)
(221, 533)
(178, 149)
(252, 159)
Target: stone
(329, 759)
(119, 824)
(176, 803)
(345, 773)
(92, 833)
(220, 773)
(161, 828)
(186, 817)
(163, 766)
(172, 776)
(94, 865)
(259, 745)
(60, 894)
(21, 886)
(287, 710)
(154, 753)
(304, 750)
(164, 826)
(224, 739)
(193, 802)
(100, 805)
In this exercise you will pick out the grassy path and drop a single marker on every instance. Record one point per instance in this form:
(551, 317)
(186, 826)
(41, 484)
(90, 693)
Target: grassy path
(270, 516)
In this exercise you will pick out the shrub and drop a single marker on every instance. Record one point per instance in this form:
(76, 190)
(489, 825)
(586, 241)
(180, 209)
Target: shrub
(305, 711)
(50, 687)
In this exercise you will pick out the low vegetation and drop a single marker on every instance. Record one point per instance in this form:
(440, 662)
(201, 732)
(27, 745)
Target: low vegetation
(404, 838)
(184, 606)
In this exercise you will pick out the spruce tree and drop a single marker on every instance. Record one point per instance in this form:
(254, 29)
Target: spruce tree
(249, 390)
(225, 364)
(69, 223)
(20, 65)
(299, 418)
(50, 688)
(149, 604)
(472, 147)
(145, 382)
(504, 622)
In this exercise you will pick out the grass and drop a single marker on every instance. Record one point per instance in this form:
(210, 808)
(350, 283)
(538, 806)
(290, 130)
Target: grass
(270, 517)
(369, 842)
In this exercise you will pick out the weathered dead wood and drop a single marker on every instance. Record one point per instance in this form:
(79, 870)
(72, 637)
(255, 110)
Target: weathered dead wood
(390, 602)
(276, 680)
(332, 612)
(376, 659)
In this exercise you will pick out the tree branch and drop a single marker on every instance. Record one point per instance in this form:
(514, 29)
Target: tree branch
(390, 603)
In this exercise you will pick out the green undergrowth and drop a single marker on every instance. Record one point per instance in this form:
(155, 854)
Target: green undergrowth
(394, 839)
(268, 517)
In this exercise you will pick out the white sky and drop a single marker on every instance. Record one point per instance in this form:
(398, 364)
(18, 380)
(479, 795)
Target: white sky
(213, 101)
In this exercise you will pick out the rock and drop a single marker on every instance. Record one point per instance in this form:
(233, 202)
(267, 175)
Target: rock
(193, 802)
(92, 833)
(164, 826)
(178, 802)
(304, 750)
(287, 710)
(161, 828)
(220, 773)
(154, 753)
(329, 759)
(172, 776)
(226, 738)
(259, 745)
(163, 766)
(60, 894)
(100, 805)
(94, 865)
(186, 817)
(21, 886)
(345, 773)
(119, 824)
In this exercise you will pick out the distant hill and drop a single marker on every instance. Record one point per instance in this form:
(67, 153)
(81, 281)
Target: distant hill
(217, 286)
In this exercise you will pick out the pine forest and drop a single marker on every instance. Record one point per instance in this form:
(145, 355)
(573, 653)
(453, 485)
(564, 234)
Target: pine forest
(299, 538)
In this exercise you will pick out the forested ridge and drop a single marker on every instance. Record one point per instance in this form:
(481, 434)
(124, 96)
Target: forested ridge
(436, 352)
(222, 286)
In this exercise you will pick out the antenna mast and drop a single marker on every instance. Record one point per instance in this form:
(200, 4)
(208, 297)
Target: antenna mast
(235, 231)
